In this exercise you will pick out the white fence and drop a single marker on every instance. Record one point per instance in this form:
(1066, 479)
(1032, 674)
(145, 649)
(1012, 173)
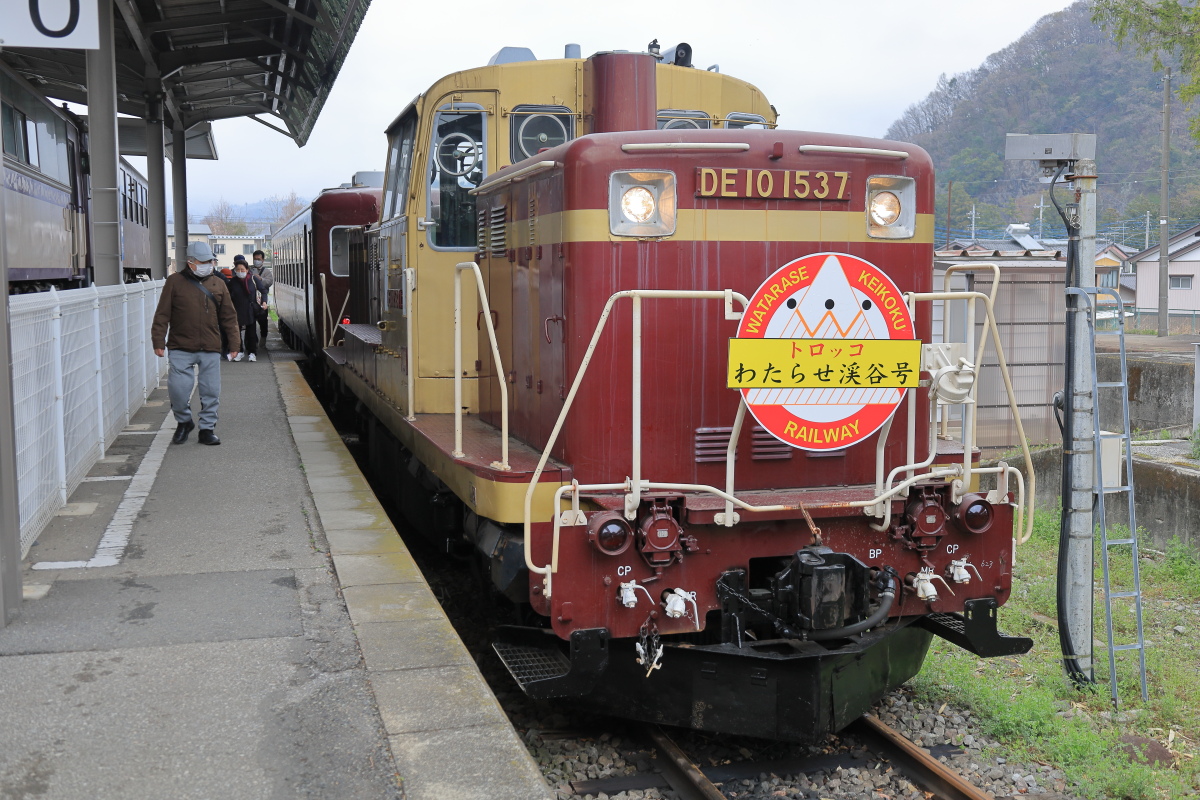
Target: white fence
(82, 365)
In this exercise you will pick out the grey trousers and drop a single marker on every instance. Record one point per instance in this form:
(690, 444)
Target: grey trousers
(179, 385)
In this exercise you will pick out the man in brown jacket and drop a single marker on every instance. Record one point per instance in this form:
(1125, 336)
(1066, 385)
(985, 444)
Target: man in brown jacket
(193, 309)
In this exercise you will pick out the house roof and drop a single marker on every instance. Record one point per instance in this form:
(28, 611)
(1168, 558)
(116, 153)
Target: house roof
(1180, 244)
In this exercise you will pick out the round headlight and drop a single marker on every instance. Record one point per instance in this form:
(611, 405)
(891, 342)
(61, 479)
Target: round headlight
(637, 204)
(974, 514)
(610, 533)
(885, 208)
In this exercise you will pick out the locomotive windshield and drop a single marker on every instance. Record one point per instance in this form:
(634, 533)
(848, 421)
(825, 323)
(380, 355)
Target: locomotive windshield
(456, 165)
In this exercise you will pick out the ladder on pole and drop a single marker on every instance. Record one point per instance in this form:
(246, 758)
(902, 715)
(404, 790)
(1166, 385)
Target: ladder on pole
(1102, 490)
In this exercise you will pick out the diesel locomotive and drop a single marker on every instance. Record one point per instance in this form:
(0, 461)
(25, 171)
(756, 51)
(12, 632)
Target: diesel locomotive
(668, 371)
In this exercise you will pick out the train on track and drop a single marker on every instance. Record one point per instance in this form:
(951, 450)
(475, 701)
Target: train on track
(47, 196)
(667, 372)
(311, 254)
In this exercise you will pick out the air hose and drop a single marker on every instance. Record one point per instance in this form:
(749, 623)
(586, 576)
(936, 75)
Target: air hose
(886, 597)
(1075, 672)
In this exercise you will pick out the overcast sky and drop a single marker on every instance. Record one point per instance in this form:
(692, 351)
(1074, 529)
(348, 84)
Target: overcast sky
(844, 67)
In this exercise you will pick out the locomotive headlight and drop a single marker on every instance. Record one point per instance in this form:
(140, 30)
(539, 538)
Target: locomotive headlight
(610, 533)
(885, 208)
(637, 204)
(641, 203)
(891, 207)
(974, 514)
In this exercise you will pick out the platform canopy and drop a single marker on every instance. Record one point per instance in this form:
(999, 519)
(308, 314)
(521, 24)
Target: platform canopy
(215, 59)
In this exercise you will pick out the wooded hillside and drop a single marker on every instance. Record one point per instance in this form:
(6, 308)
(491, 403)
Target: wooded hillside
(1064, 75)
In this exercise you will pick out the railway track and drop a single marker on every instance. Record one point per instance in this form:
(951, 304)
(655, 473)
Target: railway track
(673, 769)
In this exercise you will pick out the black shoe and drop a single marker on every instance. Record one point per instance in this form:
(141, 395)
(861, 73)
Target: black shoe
(208, 437)
(181, 432)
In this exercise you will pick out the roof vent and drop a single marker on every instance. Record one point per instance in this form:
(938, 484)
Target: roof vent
(511, 55)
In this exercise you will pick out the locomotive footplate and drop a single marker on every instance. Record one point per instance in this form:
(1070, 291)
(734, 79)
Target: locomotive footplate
(975, 630)
(784, 689)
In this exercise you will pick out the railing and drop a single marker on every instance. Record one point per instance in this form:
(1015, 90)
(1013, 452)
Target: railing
(82, 365)
(634, 486)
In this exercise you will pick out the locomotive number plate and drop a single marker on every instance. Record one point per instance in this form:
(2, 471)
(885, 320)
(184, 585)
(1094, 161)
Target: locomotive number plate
(772, 184)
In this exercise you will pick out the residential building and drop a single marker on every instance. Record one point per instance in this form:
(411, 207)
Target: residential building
(226, 246)
(1183, 265)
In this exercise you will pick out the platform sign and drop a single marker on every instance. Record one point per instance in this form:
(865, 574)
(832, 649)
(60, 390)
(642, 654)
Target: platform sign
(72, 24)
(825, 352)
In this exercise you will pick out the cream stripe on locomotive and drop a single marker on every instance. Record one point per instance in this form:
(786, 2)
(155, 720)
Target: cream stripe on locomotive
(720, 225)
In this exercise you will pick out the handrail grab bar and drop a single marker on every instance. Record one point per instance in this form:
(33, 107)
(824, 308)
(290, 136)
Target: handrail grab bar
(487, 316)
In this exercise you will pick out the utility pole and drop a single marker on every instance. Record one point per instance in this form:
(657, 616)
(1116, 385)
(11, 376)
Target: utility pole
(1080, 565)
(949, 195)
(1147, 245)
(1073, 155)
(1164, 207)
(1041, 206)
(972, 222)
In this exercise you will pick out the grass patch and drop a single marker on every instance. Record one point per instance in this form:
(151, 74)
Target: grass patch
(1027, 705)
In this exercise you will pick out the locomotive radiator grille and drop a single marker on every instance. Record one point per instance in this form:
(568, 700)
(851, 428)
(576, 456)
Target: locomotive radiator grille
(529, 664)
(497, 233)
(712, 443)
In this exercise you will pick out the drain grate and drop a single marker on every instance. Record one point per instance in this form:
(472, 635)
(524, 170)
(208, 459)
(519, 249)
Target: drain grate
(529, 664)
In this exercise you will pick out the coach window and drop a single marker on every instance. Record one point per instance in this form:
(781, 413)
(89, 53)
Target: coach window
(399, 168)
(675, 119)
(339, 250)
(456, 166)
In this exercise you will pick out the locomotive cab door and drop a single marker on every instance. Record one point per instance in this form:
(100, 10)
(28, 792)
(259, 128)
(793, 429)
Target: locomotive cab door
(458, 148)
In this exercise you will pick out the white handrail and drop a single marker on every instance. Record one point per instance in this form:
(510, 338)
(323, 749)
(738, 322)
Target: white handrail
(728, 295)
(487, 316)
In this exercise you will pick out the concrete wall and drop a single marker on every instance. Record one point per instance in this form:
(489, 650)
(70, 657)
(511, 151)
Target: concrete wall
(1160, 392)
(1163, 495)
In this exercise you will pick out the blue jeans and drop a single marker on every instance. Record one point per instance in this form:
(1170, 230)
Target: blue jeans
(179, 385)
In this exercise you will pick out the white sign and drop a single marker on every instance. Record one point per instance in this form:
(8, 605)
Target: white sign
(73, 24)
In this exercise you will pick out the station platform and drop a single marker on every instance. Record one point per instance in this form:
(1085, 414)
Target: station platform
(241, 621)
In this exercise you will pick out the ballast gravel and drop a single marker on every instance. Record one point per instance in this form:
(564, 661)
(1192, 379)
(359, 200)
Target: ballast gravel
(571, 746)
(566, 755)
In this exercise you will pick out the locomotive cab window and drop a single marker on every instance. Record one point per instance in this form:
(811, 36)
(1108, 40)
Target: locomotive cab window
(675, 119)
(738, 121)
(533, 129)
(456, 166)
(399, 168)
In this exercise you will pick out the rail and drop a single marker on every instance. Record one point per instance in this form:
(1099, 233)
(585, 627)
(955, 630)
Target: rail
(82, 365)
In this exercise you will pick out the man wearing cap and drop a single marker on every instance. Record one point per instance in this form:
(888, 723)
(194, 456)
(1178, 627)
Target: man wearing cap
(193, 311)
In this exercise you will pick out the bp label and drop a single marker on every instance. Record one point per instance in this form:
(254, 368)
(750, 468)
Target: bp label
(825, 352)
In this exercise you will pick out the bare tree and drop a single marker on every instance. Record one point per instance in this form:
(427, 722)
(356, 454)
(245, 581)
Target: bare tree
(280, 208)
(224, 220)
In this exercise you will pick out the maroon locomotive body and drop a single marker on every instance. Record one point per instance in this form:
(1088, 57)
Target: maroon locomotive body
(709, 354)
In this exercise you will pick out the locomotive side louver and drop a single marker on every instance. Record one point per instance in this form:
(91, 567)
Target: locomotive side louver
(711, 445)
(481, 231)
(766, 447)
(497, 232)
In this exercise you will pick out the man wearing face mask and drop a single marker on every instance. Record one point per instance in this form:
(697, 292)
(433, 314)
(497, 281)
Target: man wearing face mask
(266, 277)
(193, 311)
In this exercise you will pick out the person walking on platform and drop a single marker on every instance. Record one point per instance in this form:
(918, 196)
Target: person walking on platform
(193, 312)
(265, 276)
(247, 294)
